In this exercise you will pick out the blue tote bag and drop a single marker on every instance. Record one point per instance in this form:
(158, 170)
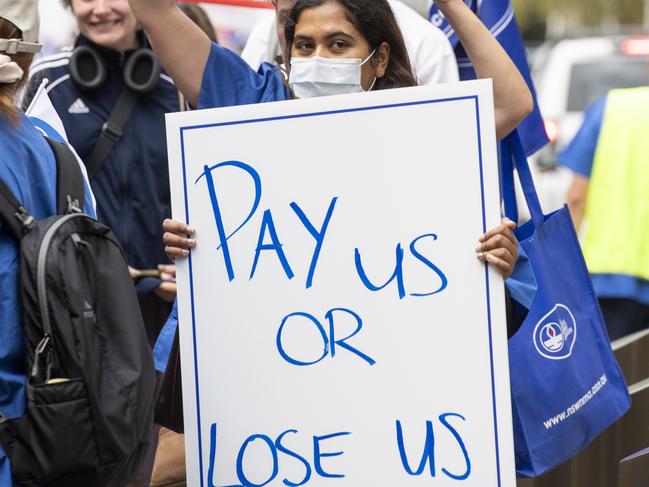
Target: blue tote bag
(566, 384)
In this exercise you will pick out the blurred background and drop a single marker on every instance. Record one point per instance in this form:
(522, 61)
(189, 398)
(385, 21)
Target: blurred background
(233, 23)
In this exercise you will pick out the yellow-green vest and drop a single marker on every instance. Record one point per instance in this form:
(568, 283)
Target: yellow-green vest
(617, 207)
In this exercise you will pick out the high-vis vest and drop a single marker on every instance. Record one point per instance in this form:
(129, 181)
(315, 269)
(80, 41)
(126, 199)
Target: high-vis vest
(617, 208)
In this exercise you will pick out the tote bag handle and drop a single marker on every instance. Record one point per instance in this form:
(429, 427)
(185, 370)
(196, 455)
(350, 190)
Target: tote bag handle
(512, 155)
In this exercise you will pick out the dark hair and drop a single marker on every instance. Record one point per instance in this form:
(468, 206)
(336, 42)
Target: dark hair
(375, 20)
(8, 90)
(200, 18)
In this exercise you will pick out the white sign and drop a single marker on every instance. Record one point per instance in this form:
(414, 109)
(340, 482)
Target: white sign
(336, 327)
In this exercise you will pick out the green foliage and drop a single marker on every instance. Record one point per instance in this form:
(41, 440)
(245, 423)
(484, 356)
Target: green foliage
(533, 14)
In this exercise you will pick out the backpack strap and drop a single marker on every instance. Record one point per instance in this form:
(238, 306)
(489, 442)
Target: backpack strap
(69, 179)
(111, 131)
(13, 213)
(69, 190)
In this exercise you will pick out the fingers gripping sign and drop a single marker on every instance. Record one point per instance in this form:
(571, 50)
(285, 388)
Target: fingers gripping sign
(499, 248)
(178, 238)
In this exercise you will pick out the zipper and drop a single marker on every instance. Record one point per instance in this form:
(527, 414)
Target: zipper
(41, 268)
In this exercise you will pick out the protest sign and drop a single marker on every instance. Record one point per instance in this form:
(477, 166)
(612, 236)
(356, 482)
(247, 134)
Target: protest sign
(335, 325)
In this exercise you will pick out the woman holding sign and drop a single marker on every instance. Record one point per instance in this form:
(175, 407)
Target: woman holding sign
(344, 37)
(351, 40)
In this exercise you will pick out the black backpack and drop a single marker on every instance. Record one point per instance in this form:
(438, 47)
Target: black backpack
(90, 376)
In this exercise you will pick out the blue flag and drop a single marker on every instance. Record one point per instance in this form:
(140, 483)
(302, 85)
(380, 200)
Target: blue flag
(498, 16)
(43, 115)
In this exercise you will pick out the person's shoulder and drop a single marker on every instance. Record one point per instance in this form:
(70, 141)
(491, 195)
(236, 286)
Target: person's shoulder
(53, 64)
(430, 51)
(32, 136)
(253, 86)
(27, 153)
(409, 18)
(23, 132)
(596, 108)
(265, 67)
(405, 14)
(256, 49)
(167, 84)
(416, 29)
(599, 101)
(54, 67)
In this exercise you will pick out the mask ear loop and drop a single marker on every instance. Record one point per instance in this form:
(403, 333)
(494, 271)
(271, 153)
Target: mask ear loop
(369, 57)
(375, 77)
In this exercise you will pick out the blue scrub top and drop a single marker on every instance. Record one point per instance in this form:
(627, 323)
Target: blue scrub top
(229, 81)
(28, 167)
(579, 156)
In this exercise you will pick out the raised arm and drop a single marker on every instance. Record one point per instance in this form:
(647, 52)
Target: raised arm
(512, 98)
(182, 47)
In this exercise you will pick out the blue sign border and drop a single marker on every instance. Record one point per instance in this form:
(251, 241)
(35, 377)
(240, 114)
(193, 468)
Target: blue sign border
(321, 114)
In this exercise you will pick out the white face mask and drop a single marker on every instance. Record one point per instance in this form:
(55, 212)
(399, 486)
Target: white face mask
(322, 76)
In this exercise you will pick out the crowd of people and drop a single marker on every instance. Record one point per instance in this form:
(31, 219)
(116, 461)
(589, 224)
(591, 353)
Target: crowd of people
(136, 60)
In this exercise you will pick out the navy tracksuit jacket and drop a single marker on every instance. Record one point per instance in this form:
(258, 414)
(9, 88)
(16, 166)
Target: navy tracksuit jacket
(132, 185)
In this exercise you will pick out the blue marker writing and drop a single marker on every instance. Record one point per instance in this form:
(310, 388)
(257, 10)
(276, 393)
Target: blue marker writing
(428, 455)
(329, 343)
(318, 235)
(223, 236)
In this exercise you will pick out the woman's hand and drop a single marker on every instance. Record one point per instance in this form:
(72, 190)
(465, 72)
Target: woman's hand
(499, 248)
(167, 288)
(167, 272)
(166, 291)
(178, 238)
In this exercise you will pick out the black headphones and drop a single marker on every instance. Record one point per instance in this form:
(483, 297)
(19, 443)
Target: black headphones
(88, 69)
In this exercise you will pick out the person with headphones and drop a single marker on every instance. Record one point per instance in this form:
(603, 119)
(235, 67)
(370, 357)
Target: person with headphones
(112, 96)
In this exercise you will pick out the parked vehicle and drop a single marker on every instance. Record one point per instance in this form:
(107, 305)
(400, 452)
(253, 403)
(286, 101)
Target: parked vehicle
(572, 73)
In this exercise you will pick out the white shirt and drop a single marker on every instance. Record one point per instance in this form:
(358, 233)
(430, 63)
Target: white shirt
(430, 52)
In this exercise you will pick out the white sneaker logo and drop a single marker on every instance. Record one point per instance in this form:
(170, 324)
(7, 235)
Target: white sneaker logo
(78, 107)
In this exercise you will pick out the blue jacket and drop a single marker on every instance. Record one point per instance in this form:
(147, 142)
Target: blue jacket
(28, 167)
(132, 185)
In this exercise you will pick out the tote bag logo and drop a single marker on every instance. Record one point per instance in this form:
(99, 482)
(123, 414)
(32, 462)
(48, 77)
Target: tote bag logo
(556, 333)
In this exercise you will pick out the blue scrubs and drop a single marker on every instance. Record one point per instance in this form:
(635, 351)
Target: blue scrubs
(28, 167)
(229, 81)
(579, 156)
